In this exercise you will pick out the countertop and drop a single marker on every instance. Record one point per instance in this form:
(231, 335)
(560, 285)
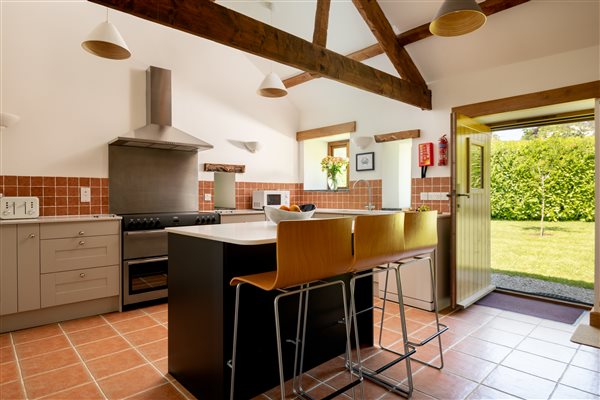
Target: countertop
(61, 218)
(345, 211)
(245, 233)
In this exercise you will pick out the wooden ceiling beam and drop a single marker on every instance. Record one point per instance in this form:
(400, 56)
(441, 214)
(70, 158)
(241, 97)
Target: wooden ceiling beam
(489, 7)
(321, 23)
(346, 127)
(214, 22)
(384, 33)
(389, 137)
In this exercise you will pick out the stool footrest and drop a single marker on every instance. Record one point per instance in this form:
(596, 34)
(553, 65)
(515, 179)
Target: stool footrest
(339, 391)
(372, 376)
(396, 361)
(430, 338)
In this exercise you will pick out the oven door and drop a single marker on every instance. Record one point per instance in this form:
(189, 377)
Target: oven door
(144, 279)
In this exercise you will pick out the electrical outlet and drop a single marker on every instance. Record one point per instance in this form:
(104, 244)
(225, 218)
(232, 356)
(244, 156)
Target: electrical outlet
(86, 194)
(424, 196)
(207, 197)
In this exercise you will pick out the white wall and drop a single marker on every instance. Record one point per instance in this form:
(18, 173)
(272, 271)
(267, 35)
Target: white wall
(376, 114)
(72, 103)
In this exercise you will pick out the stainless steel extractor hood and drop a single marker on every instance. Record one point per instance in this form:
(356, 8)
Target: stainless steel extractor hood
(158, 132)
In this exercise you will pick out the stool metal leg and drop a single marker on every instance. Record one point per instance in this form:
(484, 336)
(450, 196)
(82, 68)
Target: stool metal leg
(235, 331)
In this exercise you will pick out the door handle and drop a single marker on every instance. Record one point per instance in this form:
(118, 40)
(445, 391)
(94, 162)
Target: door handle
(467, 195)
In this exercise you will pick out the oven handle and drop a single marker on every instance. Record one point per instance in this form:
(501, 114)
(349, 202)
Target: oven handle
(146, 260)
(144, 233)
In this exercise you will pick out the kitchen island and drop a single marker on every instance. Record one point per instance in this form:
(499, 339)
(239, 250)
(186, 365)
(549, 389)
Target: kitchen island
(202, 261)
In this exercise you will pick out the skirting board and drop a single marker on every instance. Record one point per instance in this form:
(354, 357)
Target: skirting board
(473, 298)
(49, 315)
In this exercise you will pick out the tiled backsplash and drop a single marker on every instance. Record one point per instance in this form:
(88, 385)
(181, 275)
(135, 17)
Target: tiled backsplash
(430, 185)
(61, 195)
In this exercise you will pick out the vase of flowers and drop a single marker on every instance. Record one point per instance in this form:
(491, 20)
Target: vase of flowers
(334, 166)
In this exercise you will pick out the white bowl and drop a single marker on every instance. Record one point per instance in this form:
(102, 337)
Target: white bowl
(274, 214)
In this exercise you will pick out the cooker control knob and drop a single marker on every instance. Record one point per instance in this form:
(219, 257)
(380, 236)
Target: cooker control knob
(130, 223)
(213, 219)
(157, 222)
(198, 221)
(151, 222)
(138, 223)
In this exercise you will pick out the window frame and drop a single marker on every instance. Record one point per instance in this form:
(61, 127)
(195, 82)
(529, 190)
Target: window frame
(338, 144)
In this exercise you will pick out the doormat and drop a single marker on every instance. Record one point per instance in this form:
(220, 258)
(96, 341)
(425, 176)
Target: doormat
(586, 334)
(536, 308)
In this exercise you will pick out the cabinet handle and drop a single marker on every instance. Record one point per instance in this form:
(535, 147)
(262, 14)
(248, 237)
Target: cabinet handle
(82, 275)
(81, 242)
(32, 235)
(81, 233)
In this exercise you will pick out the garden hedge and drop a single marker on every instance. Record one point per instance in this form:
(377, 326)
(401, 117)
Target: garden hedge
(516, 170)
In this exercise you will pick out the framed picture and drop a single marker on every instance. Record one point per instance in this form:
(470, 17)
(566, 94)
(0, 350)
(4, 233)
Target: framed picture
(365, 161)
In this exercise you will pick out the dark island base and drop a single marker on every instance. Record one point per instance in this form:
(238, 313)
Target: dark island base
(201, 314)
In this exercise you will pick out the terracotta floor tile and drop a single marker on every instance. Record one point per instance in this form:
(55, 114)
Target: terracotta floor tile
(424, 317)
(89, 391)
(308, 382)
(582, 379)
(183, 390)
(467, 366)
(497, 336)
(131, 382)
(155, 350)
(416, 395)
(5, 340)
(553, 336)
(371, 390)
(487, 393)
(48, 361)
(535, 365)
(9, 372)
(482, 349)
(7, 354)
(519, 383)
(510, 325)
(162, 365)
(134, 324)
(55, 381)
(565, 392)
(387, 338)
(121, 316)
(586, 360)
(442, 385)
(82, 323)
(12, 391)
(393, 324)
(147, 335)
(114, 363)
(102, 347)
(161, 316)
(396, 373)
(328, 369)
(547, 349)
(38, 347)
(164, 392)
(41, 332)
(459, 327)
(322, 390)
(473, 317)
(90, 335)
(156, 308)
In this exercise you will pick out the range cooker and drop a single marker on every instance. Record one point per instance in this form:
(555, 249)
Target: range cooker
(145, 252)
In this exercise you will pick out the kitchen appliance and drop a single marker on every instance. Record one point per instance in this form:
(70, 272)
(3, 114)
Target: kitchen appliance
(12, 207)
(145, 252)
(261, 198)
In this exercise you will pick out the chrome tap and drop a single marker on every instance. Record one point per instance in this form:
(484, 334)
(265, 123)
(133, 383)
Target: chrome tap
(370, 206)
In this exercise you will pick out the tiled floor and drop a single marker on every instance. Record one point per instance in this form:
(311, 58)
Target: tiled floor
(489, 354)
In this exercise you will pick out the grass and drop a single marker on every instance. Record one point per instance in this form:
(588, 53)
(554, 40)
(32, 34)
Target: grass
(565, 253)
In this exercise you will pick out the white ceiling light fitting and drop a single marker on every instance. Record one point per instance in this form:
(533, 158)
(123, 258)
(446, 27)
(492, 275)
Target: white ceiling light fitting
(363, 141)
(252, 147)
(457, 17)
(105, 41)
(272, 86)
(7, 119)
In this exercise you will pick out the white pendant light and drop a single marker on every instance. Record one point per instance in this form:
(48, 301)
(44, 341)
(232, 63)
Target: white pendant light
(105, 41)
(272, 86)
(457, 17)
(7, 119)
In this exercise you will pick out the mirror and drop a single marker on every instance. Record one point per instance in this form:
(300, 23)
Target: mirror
(224, 190)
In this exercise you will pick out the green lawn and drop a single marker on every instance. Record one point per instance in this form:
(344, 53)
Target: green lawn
(565, 254)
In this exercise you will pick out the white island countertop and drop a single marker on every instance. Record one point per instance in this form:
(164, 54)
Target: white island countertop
(244, 233)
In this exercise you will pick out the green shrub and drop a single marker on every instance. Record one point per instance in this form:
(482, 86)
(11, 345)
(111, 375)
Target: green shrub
(516, 169)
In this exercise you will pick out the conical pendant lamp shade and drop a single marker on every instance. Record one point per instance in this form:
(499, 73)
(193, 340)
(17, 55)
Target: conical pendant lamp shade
(106, 41)
(272, 86)
(457, 17)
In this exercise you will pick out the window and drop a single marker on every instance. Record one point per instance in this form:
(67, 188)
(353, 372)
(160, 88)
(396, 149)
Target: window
(341, 148)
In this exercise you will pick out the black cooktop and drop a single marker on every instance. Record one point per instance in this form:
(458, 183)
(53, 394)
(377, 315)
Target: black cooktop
(137, 222)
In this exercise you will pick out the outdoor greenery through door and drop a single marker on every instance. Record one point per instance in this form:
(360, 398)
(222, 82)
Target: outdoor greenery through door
(542, 206)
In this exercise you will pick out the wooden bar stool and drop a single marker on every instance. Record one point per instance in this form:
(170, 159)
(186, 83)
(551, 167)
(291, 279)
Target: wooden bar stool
(420, 242)
(378, 240)
(307, 252)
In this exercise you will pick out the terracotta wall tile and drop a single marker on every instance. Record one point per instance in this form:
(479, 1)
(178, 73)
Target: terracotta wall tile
(426, 185)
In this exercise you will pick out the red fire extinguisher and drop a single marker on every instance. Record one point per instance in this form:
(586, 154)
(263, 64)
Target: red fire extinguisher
(443, 148)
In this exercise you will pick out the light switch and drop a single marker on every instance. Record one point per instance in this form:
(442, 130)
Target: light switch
(86, 195)
(207, 196)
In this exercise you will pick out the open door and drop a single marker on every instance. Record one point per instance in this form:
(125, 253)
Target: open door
(471, 265)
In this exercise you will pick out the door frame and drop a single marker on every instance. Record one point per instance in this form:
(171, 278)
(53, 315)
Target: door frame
(583, 91)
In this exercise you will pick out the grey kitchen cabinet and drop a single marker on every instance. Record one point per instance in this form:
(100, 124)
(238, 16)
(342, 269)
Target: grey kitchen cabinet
(233, 218)
(8, 269)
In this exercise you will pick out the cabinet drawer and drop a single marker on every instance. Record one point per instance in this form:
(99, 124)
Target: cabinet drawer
(80, 285)
(76, 253)
(78, 229)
